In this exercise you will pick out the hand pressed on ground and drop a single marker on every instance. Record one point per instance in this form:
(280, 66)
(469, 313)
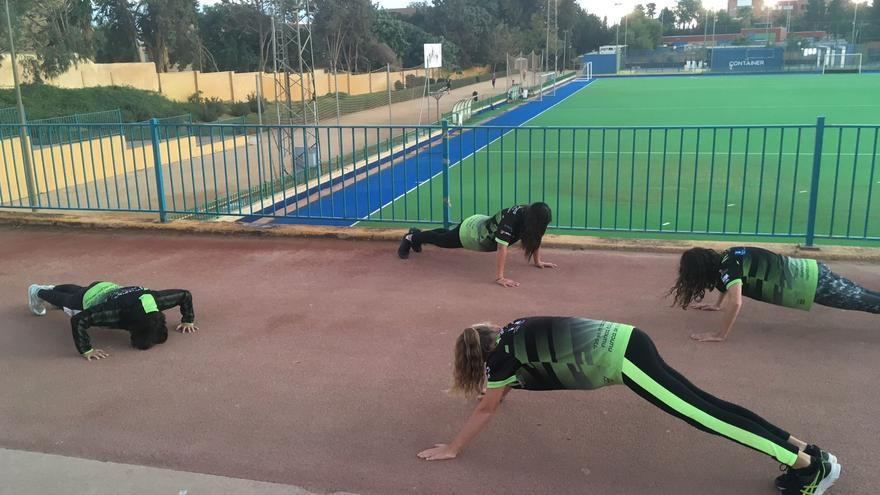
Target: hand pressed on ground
(187, 328)
(95, 354)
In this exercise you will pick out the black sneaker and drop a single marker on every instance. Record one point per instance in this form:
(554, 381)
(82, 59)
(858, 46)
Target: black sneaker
(781, 481)
(416, 246)
(813, 480)
(403, 249)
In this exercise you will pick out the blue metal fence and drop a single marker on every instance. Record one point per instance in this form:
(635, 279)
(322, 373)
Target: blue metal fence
(802, 182)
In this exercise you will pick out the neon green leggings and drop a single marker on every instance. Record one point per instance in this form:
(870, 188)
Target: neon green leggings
(645, 372)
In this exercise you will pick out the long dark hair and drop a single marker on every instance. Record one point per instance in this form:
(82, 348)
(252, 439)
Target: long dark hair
(697, 273)
(471, 350)
(537, 218)
(147, 329)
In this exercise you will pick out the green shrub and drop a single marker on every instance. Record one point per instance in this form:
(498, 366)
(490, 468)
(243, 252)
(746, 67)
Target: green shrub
(256, 105)
(240, 108)
(42, 101)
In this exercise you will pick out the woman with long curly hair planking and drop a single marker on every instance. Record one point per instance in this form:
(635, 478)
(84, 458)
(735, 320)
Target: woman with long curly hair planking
(526, 223)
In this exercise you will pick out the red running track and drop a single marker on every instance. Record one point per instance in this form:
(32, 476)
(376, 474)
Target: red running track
(324, 363)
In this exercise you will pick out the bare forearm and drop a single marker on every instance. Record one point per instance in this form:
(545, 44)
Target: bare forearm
(731, 311)
(475, 424)
(500, 261)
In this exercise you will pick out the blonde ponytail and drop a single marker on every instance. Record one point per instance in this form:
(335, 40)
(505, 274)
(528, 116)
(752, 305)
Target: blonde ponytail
(471, 350)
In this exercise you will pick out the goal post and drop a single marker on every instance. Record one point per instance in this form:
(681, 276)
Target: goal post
(837, 63)
(588, 71)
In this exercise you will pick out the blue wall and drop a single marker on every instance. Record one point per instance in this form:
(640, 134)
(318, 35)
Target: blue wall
(602, 64)
(743, 59)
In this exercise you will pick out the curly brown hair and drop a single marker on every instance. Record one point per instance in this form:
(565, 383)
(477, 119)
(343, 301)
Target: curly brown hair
(697, 273)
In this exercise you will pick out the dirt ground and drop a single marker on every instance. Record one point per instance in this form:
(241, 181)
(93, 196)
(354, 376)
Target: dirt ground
(325, 364)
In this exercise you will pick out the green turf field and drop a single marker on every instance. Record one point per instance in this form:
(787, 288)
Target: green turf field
(688, 169)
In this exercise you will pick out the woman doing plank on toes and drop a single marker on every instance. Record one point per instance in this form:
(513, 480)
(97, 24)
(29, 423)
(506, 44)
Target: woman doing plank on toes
(525, 223)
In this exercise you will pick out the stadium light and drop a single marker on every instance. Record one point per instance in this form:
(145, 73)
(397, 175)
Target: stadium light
(617, 35)
(855, 16)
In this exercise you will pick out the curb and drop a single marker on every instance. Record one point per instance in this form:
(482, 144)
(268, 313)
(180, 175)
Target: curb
(575, 243)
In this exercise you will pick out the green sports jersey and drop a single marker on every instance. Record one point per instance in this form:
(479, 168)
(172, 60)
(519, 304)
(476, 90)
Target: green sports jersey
(482, 233)
(556, 353)
(770, 277)
(473, 234)
(97, 293)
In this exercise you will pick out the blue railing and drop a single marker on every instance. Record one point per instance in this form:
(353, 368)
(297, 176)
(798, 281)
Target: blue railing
(801, 182)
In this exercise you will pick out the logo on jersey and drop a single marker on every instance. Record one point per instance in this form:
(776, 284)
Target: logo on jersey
(739, 251)
(513, 326)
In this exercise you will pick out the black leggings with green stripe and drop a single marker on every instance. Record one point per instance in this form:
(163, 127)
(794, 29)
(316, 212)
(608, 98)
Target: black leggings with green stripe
(646, 373)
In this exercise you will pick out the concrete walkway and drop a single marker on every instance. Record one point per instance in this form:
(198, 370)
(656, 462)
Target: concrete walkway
(34, 473)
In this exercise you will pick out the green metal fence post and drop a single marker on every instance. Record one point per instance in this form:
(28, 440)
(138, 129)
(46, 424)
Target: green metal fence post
(157, 166)
(446, 204)
(814, 181)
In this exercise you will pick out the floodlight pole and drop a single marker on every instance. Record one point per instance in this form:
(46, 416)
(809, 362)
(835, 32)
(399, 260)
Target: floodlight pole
(706, 29)
(714, 22)
(617, 33)
(855, 16)
(547, 43)
(22, 130)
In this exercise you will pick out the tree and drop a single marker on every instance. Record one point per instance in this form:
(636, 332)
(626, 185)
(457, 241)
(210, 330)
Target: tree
(232, 36)
(590, 33)
(169, 30)
(117, 31)
(814, 14)
(667, 20)
(651, 9)
(872, 28)
(687, 11)
(343, 29)
(467, 24)
(725, 24)
(839, 21)
(644, 33)
(58, 33)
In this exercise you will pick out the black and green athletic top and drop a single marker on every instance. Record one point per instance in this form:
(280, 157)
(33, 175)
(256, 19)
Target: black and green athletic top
(555, 353)
(769, 277)
(482, 233)
(106, 304)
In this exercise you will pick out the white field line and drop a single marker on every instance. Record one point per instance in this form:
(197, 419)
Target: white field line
(292, 192)
(592, 81)
(669, 153)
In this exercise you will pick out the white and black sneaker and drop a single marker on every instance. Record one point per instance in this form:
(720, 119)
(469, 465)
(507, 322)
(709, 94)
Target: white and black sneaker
(815, 479)
(34, 302)
(405, 246)
(416, 246)
(811, 450)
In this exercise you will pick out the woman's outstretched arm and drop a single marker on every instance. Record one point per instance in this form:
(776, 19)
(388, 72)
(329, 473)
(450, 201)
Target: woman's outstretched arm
(536, 258)
(481, 416)
(732, 304)
(500, 261)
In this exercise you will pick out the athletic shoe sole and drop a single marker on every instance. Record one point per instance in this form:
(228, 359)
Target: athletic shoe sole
(403, 249)
(34, 304)
(829, 480)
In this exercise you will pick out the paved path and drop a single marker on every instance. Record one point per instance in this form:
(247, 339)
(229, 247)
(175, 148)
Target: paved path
(324, 364)
(33, 473)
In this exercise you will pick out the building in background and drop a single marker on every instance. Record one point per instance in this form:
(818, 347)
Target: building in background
(733, 7)
(797, 7)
